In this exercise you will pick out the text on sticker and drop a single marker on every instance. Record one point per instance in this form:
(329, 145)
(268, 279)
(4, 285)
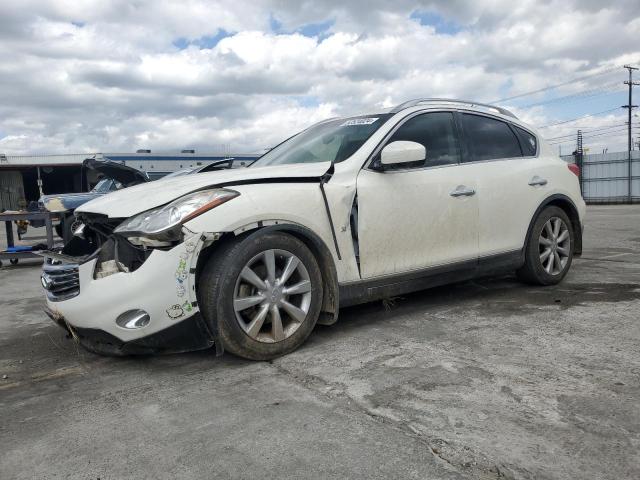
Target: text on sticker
(359, 121)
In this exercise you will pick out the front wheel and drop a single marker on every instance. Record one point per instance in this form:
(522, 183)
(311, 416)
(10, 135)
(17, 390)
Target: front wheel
(265, 293)
(549, 250)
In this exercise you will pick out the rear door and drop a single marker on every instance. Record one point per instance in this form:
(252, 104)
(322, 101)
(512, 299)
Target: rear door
(511, 180)
(416, 216)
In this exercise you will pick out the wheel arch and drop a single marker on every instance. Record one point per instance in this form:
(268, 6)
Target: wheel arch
(567, 205)
(330, 300)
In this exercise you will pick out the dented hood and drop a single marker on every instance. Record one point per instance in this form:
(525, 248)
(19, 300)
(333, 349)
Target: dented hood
(139, 198)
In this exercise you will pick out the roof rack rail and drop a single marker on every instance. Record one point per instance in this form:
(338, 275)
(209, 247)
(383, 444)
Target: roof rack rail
(418, 101)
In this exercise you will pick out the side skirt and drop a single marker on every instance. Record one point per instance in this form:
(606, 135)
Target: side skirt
(374, 289)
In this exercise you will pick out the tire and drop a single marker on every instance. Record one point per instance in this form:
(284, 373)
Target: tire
(539, 268)
(224, 292)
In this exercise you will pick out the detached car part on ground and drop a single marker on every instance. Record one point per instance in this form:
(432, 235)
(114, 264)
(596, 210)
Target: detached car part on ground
(347, 211)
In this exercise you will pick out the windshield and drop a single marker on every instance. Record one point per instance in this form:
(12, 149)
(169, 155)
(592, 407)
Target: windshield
(106, 185)
(335, 141)
(103, 186)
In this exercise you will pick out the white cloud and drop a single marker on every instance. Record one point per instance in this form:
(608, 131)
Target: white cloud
(108, 76)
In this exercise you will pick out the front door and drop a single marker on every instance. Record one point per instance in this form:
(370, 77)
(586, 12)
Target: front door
(420, 215)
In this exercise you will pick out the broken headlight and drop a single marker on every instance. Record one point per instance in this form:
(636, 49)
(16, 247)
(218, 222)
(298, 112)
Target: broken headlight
(159, 223)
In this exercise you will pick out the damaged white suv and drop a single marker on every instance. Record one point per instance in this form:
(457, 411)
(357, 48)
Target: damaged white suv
(349, 210)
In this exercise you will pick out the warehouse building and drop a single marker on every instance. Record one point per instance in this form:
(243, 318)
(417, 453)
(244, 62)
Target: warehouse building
(24, 178)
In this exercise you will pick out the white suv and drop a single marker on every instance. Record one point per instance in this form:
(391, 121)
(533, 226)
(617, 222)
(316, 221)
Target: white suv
(349, 210)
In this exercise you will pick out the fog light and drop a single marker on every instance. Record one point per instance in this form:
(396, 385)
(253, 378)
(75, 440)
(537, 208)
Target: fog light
(133, 319)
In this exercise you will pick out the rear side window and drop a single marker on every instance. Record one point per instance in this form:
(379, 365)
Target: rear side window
(437, 132)
(490, 138)
(527, 142)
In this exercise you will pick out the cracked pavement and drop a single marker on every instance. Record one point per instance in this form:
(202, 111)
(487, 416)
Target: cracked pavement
(479, 380)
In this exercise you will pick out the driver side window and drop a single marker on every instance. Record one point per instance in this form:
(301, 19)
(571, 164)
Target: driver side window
(437, 132)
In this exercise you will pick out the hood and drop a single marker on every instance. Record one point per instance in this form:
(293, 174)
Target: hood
(131, 201)
(66, 201)
(127, 176)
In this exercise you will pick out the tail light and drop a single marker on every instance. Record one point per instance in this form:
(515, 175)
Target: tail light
(575, 169)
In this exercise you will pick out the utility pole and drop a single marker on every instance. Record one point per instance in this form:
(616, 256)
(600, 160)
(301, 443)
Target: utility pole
(630, 106)
(579, 158)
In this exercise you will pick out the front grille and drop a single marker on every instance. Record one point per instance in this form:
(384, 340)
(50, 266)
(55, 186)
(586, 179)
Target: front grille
(61, 281)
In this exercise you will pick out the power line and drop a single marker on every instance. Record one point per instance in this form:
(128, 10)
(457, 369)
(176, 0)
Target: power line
(612, 131)
(588, 127)
(551, 87)
(603, 127)
(600, 138)
(608, 127)
(590, 131)
(594, 92)
(617, 131)
(613, 134)
(578, 118)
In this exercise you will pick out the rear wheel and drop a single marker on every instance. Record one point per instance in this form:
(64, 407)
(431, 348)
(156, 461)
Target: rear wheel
(265, 293)
(549, 250)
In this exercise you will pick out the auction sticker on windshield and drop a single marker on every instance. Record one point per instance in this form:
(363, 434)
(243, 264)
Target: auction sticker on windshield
(359, 121)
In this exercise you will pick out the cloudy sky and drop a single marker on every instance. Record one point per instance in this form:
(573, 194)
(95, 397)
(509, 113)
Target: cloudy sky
(118, 75)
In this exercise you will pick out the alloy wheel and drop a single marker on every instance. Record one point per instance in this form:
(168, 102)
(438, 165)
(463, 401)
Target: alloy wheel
(554, 246)
(272, 296)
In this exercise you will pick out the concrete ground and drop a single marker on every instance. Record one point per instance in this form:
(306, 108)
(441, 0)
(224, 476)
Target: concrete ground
(481, 380)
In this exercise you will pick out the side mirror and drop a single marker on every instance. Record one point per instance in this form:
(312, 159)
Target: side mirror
(402, 151)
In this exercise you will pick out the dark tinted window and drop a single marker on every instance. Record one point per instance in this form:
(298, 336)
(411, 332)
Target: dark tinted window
(527, 141)
(436, 131)
(490, 138)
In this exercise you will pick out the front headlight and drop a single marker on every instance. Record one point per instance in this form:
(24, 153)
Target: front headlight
(159, 220)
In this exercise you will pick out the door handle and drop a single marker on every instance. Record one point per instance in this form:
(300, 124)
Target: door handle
(462, 191)
(537, 181)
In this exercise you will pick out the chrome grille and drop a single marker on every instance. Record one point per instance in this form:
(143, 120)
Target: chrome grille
(61, 281)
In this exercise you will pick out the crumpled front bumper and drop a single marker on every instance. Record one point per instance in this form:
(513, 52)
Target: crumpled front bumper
(163, 286)
(186, 335)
